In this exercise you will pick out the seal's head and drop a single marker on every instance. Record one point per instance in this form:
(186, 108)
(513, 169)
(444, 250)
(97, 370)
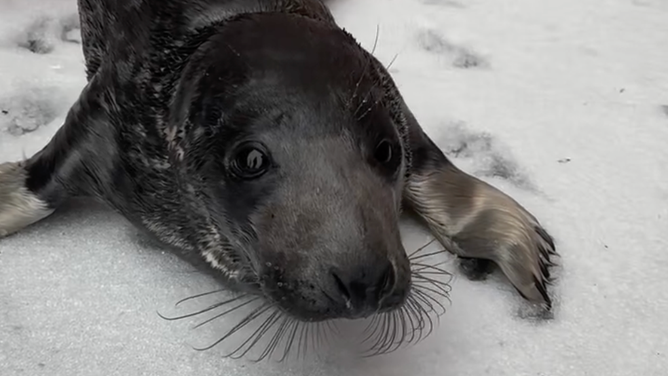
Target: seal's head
(294, 149)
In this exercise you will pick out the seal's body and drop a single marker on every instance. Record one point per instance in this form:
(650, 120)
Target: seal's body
(260, 136)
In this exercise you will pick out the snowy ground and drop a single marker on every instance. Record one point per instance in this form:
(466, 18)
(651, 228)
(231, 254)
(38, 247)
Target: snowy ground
(564, 105)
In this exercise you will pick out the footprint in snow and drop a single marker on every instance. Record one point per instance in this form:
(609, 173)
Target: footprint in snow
(481, 154)
(45, 32)
(458, 56)
(27, 111)
(664, 109)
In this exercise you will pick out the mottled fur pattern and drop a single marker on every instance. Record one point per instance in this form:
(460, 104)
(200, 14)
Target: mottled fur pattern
(158, 106)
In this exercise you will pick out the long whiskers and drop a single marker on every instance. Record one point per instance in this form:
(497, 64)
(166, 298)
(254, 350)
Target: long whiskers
(273, 332)
(366, 67)
(210, 308)
(390, 331)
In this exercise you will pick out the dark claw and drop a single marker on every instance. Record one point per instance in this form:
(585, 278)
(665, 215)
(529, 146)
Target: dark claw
(548, 239)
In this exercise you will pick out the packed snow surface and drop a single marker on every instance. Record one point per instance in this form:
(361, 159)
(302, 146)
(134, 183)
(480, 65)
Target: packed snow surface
(563, 105)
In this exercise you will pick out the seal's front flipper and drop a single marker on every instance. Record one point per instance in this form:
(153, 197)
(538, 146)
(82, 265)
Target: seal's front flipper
(19, 206)
(32, 189)
(477, 221)
(68, 165)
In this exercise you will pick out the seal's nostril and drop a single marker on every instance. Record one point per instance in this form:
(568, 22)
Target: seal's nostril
(343, 288)
(387, 283)
(366, 287)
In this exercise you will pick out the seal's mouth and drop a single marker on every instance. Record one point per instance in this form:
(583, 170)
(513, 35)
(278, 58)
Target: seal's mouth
(262, 324)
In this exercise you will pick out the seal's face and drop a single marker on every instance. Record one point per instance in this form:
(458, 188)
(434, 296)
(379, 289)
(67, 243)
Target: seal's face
(300, 165)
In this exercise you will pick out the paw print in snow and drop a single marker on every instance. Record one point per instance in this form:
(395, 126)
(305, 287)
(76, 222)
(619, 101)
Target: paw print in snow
(42, 36)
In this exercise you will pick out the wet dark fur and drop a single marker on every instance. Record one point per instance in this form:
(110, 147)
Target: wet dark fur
(175, 84)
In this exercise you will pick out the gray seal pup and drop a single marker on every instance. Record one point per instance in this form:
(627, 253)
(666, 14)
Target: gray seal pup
(261, 137)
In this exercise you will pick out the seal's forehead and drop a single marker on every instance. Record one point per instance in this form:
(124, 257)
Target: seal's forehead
(297, 47)
(280, 74)
(282, 109)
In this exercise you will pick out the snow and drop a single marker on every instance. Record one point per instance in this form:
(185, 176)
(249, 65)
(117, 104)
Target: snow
(563, 105)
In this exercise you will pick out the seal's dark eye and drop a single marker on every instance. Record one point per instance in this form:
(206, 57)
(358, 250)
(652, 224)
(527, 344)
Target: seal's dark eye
(249, 161)
(384, 152)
